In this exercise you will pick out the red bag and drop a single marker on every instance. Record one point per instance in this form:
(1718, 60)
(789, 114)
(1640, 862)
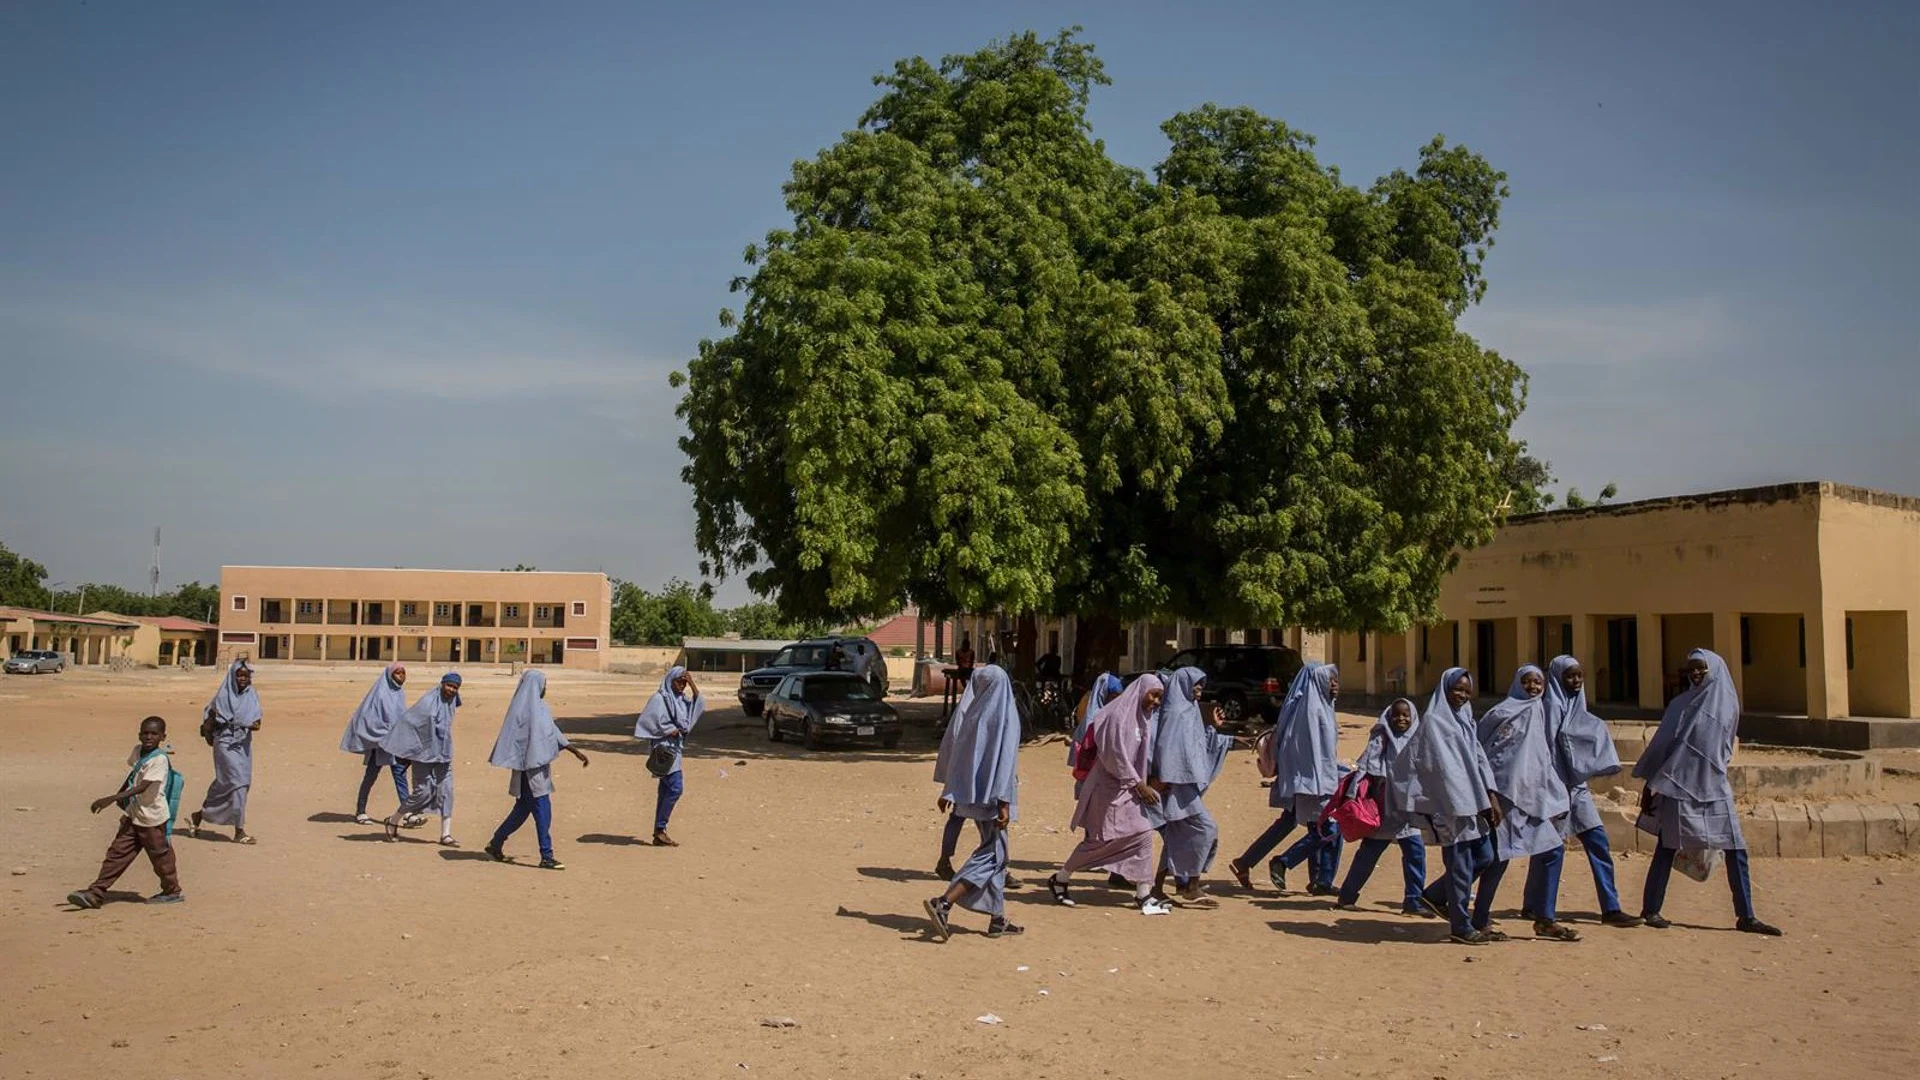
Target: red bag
(1085, 755)
(1350, 808)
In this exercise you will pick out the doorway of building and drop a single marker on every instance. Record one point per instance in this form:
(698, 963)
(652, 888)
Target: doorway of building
(473, 651)
(1483, 660)
(453, 649)
(370, 648)
(270, 647)
(1623, 660)
(559, 651)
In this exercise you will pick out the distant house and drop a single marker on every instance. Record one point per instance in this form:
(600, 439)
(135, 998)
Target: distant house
(164, 640)
(83, 639)
(906, 632)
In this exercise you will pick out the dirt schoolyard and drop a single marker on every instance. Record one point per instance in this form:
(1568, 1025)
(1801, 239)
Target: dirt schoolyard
(325, 952)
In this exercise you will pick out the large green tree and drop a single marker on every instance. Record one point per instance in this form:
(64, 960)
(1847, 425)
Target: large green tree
(988, 367)
(22, 581)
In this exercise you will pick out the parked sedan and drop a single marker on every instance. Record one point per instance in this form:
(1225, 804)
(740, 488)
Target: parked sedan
(35, 662)
(830, 706)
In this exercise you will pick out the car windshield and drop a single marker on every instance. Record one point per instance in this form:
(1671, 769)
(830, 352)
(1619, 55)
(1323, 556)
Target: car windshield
(814, 656)
(836, 690)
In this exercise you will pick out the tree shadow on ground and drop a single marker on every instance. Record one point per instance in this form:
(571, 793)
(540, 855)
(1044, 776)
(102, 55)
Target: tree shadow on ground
(917, 927)
(1365, 931)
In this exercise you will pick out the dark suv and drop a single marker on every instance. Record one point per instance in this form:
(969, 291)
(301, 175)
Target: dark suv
(1247, 680)
(811, 655)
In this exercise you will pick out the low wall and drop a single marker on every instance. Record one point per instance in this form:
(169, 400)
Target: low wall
(642, 659)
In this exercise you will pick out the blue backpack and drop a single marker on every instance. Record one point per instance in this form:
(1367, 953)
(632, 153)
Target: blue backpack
(176, 784)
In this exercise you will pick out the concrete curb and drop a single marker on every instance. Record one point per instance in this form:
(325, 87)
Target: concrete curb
(1796, 831)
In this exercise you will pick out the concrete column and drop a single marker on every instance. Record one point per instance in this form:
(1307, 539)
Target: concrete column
(1583, 650)
(1726, 642)
(1653, 677)
(1827, 664)
(1376, 671)
(1527, 630)
(1470, 657)
(1913, 665)
(1412, 661)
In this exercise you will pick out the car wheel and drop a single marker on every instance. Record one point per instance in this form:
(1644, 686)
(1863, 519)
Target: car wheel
(753, 708)
(812, 737)
(1233, 709)
(774, 734)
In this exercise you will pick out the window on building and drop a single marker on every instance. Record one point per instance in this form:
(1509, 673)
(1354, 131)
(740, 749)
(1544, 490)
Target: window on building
(511, 611)
(579, 609)
(239, 603)
(542, 611)
(410, 610)
(308, 607)
(441, 611)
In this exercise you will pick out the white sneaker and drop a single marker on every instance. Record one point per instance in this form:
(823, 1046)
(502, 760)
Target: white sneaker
(1153, 905)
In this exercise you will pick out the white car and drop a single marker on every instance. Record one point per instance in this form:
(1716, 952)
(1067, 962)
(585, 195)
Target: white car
(36, 662)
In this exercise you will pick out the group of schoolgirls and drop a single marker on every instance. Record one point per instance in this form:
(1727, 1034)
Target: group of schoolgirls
(1512, 784)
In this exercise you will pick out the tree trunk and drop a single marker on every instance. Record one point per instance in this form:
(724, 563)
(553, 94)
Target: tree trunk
(1026, 642)
(1099, 644)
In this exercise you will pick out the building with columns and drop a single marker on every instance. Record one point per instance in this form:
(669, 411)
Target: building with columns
(1811, 591)
(451, 617)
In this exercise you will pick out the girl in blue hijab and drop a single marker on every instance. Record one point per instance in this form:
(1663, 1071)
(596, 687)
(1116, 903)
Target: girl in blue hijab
(670, 714)
(1688, 801)
(1308, 770)
(230, 720)
(1533, 799)
(977, 770)
(528, 743)
(1582, 749)
(385, 701)
(1189, 750)
(1442, 782)
(423, 736)
(1385, 743)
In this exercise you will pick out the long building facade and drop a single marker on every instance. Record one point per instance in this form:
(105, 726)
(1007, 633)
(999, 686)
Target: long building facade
(467, 617)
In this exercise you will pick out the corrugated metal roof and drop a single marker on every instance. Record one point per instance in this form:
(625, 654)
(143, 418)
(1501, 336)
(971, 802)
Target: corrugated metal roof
(716, 644)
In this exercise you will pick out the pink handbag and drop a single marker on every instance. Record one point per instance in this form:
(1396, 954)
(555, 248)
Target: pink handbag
(1351, 809)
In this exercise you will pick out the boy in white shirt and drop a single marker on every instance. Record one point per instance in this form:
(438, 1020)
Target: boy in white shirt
(144, 824)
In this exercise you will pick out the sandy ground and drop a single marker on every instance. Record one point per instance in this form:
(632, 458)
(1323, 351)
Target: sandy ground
(324, 952)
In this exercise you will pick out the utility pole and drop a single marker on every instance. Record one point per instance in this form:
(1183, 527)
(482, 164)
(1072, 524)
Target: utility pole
(153, 572)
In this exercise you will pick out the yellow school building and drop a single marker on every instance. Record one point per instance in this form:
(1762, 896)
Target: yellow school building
(453, 617)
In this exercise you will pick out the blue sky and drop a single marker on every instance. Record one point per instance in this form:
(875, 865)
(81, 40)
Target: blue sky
(379, 284)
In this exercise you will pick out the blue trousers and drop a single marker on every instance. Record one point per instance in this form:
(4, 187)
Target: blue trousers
(538, 807)
(1467, 861)
(1323, 848)
(1599, 858)
(1738, 879)
(671, 786)
(399, 769)
(1413, 868)
(950, 837)
(1541, 896)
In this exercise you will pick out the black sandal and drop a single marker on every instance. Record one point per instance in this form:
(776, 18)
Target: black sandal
(1000, 927)
(1553, 931)
(1755, 926)
(1060, 894)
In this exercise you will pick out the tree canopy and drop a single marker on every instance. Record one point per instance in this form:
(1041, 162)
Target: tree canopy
(22, 583)
(682, 610)
(989, 367)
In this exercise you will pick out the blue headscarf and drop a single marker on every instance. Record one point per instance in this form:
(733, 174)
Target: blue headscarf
(425, 731)
(1442, 771)
(234, 708)
(1105, 688)
(384, 703)
(1688, 754)
(1306, 754)
(528, 739)
(1514, 736)
(979, 755)
(1383, 745)
(1583, 746)
(668, 715)
(1185, 749)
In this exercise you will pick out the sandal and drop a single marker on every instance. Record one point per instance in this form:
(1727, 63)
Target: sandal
(362, 819)
(937, 912)
(393, 830)
(448, 841)
(1000, 927)
(552, 864)
(1755, 926)
(1473, 937)
(83, 900)
(1240, 875)
(1655, 920)
(413, 821)
(1494, 935)
(1060, 894)
(245, 838)
(661, 839)
(1553, 931)
(1277, 873)
(496, 854)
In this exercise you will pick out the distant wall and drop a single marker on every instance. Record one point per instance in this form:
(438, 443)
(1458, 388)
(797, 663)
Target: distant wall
(642, 659)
